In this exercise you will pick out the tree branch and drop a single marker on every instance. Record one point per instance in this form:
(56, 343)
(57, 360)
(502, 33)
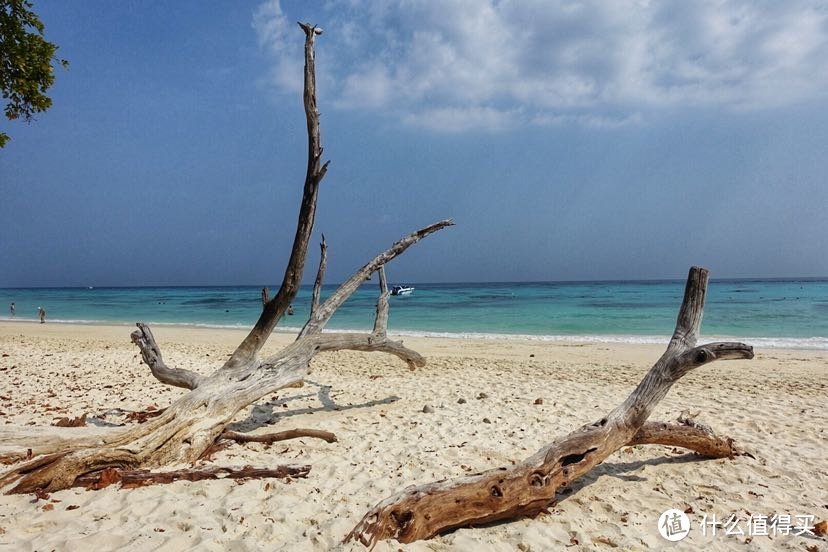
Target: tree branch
(527, 488)
(381, 320)
(320, 274)
(697, 438)
(151, 354)
(141, 478)
(327, 309)
(368, 344)
(268, 438)
(275, 309)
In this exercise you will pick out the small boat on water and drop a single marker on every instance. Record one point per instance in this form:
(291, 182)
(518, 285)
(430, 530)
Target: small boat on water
(401, 290)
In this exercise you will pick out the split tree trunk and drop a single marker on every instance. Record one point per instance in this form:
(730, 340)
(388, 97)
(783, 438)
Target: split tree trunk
(529, 487)
(185, 430)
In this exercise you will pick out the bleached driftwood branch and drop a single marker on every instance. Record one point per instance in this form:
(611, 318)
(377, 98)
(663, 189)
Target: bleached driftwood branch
(529, 487)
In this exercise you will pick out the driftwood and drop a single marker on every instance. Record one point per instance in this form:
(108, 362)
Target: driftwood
(269, 438)
(190, 426)
(142, 478)
(528, 488)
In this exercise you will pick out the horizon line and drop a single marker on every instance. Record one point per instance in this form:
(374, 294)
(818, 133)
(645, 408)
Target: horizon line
(410, 282)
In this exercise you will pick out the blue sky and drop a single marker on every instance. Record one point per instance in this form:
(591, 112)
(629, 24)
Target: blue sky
(568, 140)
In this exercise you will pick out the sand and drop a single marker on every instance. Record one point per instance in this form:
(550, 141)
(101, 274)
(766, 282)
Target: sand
(774, 406)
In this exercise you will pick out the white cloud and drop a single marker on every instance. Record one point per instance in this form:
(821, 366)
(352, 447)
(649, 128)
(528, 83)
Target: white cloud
(277, 37)
(462, 119)
(465, 64)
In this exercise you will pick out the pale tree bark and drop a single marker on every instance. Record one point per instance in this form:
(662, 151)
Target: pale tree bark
(320, 275)
(190, 426)
(529, 487)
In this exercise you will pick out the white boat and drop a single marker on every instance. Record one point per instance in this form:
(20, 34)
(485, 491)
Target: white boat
(401, 290)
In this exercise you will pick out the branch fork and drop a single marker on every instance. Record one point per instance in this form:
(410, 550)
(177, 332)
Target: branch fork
(526, 489)
(192, 425)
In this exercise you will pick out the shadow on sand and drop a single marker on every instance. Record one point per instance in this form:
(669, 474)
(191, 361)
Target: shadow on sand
(265, 414)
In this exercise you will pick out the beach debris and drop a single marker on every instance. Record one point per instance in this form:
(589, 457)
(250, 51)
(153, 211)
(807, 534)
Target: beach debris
(197, 419)
(428, 409)
(461, 400)
(215, 447)
(821, 528)
(486, 421)
(482, 396)
(538, 401)
(142, 416)
(526, 488)
(270, 438)
(140, 478)
(70, 422)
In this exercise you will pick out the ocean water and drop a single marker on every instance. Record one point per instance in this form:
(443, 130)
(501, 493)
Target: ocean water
(777, 313)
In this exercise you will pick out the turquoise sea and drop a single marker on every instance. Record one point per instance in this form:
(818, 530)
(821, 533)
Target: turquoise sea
(771, 313)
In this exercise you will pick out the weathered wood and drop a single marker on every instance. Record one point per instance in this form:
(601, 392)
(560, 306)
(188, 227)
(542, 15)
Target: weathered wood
(269, 438)
(191, 425)
(381, 320)
(320, 275)
(275, 309)
(697, 438)
(23, 443)
(326, 310)
(142, 478)
(368, 344)
(530, 486)
(151, 354)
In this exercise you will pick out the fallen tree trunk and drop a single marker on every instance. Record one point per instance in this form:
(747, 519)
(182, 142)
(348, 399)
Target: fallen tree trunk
(528, 488)
(190, 426)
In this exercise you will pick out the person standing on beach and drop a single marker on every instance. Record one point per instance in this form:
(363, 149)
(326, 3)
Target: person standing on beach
(41, 312)
(12, 309)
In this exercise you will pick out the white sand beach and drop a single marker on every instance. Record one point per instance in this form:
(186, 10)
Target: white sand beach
(774, 406)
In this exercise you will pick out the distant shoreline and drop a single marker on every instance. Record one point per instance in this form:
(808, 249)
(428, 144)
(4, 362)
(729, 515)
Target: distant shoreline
(788, 314)
(777, 343)
(681, 280)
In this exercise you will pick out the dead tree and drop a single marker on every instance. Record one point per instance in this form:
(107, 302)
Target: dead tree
(187, 429)
(528, 488)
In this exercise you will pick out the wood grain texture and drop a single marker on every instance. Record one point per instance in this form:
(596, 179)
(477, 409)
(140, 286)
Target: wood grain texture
(191, 425)
(526, 489)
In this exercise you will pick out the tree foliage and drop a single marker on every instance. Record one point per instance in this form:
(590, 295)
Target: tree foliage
(26, 70)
